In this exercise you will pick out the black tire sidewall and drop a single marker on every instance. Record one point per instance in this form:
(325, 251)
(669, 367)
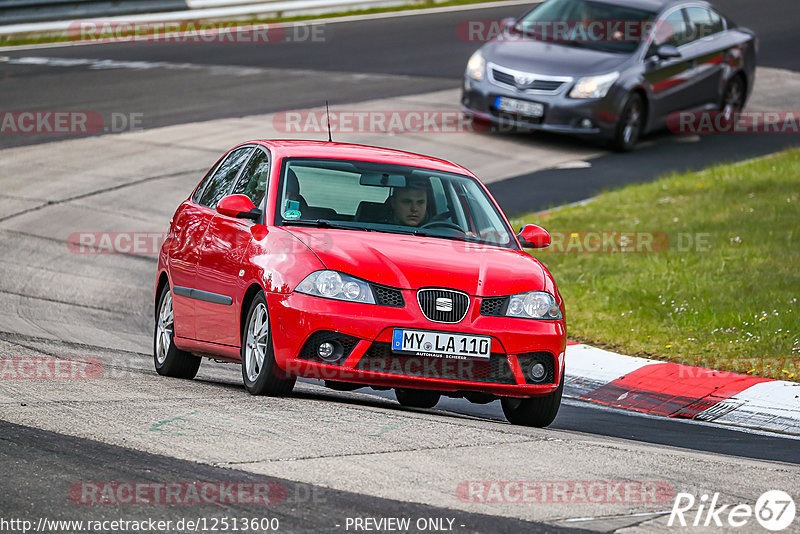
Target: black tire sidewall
(177, 363)
(417, 398)
(271, 379)
(619, 139)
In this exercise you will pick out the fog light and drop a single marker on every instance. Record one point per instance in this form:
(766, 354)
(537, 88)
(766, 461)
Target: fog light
(537, 372)
(325, 351)
(586, 123)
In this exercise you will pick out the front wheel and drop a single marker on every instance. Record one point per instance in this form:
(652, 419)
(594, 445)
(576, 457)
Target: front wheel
(535, 411)
(169, 359)
(630, 125)
(417, 398)
(260, 373)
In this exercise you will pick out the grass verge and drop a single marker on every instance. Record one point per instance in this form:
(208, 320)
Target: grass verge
(722, 293)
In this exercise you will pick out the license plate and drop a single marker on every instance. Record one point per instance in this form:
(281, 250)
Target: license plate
(519, 107)
(440, 344)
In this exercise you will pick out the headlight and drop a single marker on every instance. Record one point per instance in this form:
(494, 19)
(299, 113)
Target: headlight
(476, 66)
(335, 285)
(594, 86)
(534, 305)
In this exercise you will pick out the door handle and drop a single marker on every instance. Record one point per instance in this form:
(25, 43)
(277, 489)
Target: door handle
(177, 228)
(207, 240)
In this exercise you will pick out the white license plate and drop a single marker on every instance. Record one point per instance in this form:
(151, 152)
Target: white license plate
(519, 107)
(440, 344)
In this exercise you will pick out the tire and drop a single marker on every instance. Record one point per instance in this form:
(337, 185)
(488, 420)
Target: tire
(733, 98)
(535, 411)
(260, 373)
(630, 124)
(169, 359)
(417, 398)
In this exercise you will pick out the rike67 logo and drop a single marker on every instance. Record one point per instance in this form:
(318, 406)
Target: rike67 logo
(774, 510)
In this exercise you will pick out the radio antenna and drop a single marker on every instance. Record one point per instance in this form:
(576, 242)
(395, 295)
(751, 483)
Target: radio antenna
(328, 115)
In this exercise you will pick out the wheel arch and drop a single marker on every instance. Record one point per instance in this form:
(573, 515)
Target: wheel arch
(163, 280)
(639, 90)
(253, 290)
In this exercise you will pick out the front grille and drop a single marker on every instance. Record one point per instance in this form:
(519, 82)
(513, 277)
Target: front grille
(503, 77)
(545, 85)
(545, 358)
(443, 305)
(380, 359)
(537, 85)
(388, 296)
(343, 343)
(495, 306)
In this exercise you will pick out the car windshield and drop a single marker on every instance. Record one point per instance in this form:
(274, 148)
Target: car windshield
(381, 197)
(588, 24)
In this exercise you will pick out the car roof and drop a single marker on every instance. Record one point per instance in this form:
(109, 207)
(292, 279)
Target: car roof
(649, 5)
(289, 148)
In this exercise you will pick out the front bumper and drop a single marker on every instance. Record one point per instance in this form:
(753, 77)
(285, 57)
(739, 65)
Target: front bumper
(561, 113)
(300, 322)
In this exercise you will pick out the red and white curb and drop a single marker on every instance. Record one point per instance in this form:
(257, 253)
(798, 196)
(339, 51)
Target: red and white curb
(674, 390)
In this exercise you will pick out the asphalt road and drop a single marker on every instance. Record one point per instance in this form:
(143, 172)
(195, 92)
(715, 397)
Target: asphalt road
(369, 456)
(391, 56)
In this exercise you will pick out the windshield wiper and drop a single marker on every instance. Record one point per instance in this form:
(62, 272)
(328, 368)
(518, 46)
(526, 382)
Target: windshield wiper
(326, 223)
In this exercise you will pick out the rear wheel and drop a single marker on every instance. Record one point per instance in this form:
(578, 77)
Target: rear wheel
(631, 122)
(169, 359)
(260, 373)
(733, 98)
(535, 411)
(417, 398)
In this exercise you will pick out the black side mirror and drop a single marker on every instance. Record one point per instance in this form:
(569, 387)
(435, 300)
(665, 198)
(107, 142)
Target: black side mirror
(667, 52)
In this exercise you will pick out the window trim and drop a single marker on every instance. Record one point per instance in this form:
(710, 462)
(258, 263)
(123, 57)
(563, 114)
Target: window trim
(246, 164)
(199, 193)
(667, 12)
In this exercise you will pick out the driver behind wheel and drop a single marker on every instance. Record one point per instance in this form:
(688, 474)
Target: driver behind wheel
(410, 204)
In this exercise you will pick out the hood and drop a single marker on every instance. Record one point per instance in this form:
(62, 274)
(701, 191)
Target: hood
(553, 59)
(412, 262)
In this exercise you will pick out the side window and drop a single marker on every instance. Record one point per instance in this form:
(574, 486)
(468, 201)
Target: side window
(254, 178)
(703, 22)
(220, 182)
(671, 31)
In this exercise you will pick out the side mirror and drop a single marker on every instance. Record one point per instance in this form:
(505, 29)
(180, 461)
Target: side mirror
(667, 52)
(238, 206)
(508, 23)
(532, 236)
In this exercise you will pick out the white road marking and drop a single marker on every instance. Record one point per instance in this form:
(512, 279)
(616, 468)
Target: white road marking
(215, 70)
(292, 24)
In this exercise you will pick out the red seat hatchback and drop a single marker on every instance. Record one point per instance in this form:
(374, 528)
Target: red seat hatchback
(360, 266)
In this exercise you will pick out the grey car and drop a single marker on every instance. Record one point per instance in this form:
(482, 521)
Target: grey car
(615, 83)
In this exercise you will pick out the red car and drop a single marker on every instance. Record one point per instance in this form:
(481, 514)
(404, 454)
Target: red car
(360, 266)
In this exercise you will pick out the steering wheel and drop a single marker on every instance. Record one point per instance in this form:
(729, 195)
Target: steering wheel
(444, 224)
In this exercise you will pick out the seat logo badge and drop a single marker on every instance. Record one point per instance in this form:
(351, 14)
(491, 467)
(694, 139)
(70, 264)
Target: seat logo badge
(444, 305)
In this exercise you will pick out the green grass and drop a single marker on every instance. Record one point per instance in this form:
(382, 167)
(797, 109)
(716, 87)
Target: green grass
(61, 37)
(732, 303)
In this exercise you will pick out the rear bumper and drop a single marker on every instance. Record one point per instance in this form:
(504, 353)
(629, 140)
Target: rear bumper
(300, 322)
